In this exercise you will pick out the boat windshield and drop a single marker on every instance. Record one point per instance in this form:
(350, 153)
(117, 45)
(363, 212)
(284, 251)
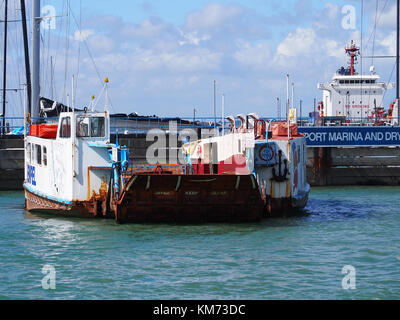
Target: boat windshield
(90, 127)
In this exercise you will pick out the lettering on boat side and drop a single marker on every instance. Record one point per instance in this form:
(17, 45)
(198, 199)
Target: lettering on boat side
(191, 193)
(49, 280)
(163, 193)
(31, 175)
(349, 280)
(219, 193)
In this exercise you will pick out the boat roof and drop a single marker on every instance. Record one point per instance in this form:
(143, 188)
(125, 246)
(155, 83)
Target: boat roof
(86, 113)
(356, 77)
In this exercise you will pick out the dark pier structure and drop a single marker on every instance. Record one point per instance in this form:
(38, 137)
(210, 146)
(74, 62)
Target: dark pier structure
(335, 166)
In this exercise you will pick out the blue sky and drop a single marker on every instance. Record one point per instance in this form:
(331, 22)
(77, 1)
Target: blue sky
(163, 56)
(175, 11)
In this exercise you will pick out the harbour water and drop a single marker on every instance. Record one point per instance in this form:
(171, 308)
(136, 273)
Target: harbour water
(293, 258)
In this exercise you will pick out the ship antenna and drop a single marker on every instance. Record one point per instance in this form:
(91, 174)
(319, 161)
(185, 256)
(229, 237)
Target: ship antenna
(353, 51)
(106, 88)
(73, 94)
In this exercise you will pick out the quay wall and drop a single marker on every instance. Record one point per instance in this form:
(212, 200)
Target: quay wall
(345, 166)
(11, 163)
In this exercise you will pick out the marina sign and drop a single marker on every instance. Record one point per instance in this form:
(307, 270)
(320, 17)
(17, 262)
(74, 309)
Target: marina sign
(351, 136)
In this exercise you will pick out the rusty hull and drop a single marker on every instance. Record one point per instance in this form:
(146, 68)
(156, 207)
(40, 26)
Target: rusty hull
(97, 207)
(150, 198)
(283, 207)
(170, 198)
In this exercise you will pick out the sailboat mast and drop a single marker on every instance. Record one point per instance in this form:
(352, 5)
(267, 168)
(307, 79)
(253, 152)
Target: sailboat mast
(5, 66)
(26, 50)
(35, 57)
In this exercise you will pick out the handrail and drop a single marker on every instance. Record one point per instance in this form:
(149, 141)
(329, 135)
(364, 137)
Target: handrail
(141, 125)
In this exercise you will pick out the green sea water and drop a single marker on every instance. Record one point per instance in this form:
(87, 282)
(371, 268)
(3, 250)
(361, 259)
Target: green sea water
(292, 258)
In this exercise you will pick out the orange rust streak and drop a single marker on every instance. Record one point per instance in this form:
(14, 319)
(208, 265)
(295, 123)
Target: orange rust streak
(165, 168)
(88, 192)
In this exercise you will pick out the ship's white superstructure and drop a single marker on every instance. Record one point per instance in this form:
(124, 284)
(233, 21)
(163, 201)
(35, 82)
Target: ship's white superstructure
(352, 95)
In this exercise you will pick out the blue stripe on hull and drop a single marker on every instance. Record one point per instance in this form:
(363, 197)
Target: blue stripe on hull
(42, 195)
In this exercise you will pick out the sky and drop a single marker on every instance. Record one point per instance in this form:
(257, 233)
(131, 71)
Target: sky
(162, 57)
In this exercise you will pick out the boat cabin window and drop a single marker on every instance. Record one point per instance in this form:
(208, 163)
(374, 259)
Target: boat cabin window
(38, 154)
(90, 127)
(44, 156)
(82, 127)
(28, 152)
(97, 127)
(65, 129)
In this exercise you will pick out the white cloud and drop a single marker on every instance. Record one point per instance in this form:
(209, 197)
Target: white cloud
(255, 55)
(332, 10)
(101, 43)
(199, 60)
(298, 43)
(147, 28)
(213, 15)
(193, 38)
(389, 43)
(83, 35)
(334, 49)
(388, 18)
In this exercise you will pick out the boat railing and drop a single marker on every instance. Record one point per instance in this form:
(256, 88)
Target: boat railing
(15, 125)
(139, 126)
(157, 169)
